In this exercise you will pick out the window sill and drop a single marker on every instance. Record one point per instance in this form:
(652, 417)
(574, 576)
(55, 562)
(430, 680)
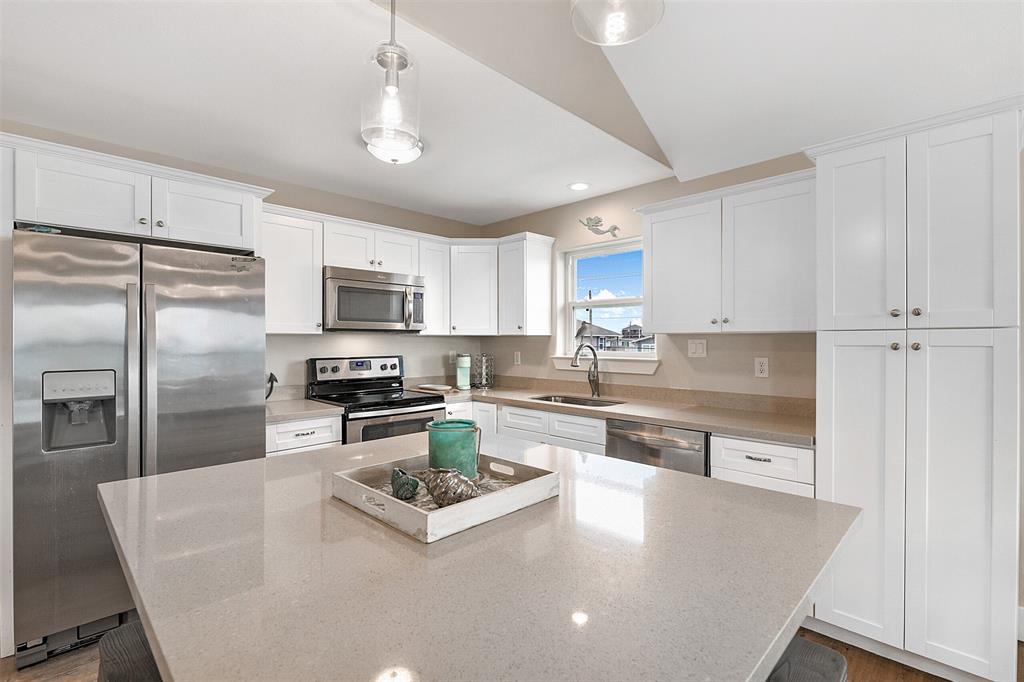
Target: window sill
(615, 365)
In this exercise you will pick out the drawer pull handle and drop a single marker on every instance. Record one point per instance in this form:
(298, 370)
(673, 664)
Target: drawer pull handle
(305, 433)
(754, 458)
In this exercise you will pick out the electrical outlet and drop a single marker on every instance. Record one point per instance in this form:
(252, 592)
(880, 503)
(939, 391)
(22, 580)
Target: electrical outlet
(761, 368)
(697, 348)
(451, 357)
(517, 358)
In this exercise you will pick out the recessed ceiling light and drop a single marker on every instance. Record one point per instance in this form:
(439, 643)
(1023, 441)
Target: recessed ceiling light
(579, 186)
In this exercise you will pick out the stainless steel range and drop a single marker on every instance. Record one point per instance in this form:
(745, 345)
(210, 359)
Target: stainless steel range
(372, 391)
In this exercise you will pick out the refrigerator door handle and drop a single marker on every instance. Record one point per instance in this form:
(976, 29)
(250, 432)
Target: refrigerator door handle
(150, 380)
(132, 379)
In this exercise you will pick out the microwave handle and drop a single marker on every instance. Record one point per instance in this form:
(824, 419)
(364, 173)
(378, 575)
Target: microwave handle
(408, 307)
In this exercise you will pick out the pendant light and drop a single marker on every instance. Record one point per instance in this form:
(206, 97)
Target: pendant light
(615, 22)
(391, 108)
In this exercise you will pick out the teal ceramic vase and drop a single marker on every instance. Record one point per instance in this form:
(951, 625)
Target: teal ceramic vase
(454, 444)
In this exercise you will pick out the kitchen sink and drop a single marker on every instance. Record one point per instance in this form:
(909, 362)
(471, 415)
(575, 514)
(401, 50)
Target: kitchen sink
(577, 400)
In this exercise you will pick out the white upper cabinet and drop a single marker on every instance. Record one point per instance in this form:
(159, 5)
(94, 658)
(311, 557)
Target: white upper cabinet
(768, 259)
(860, 461)
(922, 231)
(349, 245)
(861, 207)
(397, 252)
(524, 285)
(98, 192)
(962, 490)
(474, 290)
(683, 269)
(193, 212)
(963, 224)
(292, 248)
(435, 268)
(66, 191)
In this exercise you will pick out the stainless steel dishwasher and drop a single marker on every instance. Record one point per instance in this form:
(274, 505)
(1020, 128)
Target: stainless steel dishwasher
(660, 446)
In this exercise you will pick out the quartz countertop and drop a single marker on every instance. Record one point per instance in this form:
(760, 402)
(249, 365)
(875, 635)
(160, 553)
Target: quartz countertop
(253, 571)
(290, 410)
(767, 426)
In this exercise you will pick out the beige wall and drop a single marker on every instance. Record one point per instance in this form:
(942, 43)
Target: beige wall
(730, 358)
(285, 193)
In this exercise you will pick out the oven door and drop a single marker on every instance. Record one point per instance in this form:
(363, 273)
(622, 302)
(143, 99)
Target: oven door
(356, 304)
(365, 426)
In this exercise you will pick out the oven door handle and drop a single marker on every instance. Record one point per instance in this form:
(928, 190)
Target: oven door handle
(356, 416)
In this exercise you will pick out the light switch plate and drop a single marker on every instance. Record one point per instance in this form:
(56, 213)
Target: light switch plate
(697, 348)
(761, 368)
(517, 358)
(451, 357)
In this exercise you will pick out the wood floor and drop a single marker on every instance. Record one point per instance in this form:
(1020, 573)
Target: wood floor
(82, 665)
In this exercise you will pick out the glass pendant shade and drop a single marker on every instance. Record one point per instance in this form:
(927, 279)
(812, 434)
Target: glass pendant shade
(396, 156)
(615, 22)
(390, 103)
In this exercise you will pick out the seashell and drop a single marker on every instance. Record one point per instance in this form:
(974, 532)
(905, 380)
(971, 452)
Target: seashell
(403, 485)
(448, 486)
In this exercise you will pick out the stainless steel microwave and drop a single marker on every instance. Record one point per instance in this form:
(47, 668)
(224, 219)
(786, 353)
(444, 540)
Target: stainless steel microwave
(366, 300)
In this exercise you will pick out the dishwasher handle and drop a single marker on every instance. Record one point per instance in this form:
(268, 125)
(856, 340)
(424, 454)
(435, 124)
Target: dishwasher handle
(656, 441)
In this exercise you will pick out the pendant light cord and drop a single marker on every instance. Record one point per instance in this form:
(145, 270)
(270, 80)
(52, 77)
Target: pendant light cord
(392, 22)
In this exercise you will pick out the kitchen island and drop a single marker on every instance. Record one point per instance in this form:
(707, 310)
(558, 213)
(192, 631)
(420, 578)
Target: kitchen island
(253, 571)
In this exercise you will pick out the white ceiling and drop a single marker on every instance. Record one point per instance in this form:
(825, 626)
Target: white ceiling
(272, 89)
(725, 84)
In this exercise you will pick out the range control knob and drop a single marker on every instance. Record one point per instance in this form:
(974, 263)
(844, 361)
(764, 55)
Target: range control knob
(323, 370)
(335, 369)
(383, 366)
(394, 366)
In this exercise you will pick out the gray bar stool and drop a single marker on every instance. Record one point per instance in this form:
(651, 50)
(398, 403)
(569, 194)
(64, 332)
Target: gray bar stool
(125, 656)
(807, 661)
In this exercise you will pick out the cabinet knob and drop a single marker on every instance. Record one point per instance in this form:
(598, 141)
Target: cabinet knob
(916, 312)
(380, 262)
(915, 346)
(453, 327)
(371, 261)
(159, 223)
(714, 320)
(895, 312)
(519, 326)
(319, 324)
(725, 320)
(143, 221)
(894, 345)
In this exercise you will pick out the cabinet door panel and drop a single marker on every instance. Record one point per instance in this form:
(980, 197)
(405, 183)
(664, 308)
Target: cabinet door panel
(474, 290)
(861, 207)
(683, 270)
(511, 288)
(53, 189)
(193, 212)
(435, 268)
(292, 248)
(963, 224)
(397, 252)
(861, 384)
(347, 245)
(768, 271)
(962, 492)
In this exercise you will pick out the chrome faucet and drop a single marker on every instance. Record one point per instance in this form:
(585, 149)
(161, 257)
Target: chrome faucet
(592, 376)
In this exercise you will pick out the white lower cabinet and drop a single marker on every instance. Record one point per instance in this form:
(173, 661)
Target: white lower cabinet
(783, 468)
(919, 428)
(486, 417)
(585, 434)
(962, 488)
(289, 437)
(458, 411)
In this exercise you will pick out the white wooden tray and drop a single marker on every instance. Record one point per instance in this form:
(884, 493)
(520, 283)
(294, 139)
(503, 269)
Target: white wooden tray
(358, 487)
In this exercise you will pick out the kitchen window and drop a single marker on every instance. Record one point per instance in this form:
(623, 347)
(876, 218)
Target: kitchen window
(605, 295)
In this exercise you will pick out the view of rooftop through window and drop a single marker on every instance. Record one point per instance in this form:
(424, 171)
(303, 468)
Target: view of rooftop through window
(608, 293)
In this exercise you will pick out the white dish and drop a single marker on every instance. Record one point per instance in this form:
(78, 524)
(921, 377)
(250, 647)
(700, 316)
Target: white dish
(435, 387)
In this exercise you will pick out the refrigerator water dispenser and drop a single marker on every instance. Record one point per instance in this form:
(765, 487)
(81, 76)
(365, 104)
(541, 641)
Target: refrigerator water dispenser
(78, 409)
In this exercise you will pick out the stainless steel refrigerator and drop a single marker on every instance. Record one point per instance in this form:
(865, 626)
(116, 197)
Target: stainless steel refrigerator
(129, 359)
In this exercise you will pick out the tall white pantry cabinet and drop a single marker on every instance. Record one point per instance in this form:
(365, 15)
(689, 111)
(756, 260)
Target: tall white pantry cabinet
(918, 385)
